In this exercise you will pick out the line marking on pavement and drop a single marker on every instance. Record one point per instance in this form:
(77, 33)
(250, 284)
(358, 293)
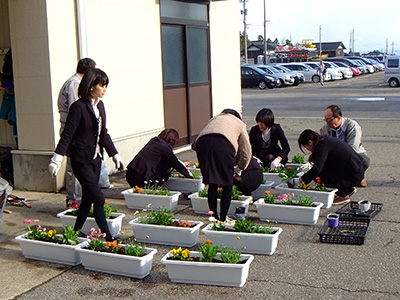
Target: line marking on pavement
(371, 99)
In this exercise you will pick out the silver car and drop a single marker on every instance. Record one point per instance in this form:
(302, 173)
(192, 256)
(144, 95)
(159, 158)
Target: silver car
(284, 79)
(310, 75)
(298, 77)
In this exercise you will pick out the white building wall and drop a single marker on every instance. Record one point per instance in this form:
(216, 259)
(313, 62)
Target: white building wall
(225, 56)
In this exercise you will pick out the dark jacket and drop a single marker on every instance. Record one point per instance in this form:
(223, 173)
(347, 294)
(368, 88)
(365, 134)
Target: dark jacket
(277, 134)
(155, 159)
(79, 138)
(336, 163)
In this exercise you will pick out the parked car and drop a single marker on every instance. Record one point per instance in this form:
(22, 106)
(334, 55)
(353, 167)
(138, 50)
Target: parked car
(252, 76)
(333, 74)
(347, 61)
(284, 79)
(346, 72)
(377, 65)
(392, 71)
(368, 65)
(298, 77)
(310, 75)
(356, 71)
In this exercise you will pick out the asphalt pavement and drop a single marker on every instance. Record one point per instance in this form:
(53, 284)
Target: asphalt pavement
(301, 268)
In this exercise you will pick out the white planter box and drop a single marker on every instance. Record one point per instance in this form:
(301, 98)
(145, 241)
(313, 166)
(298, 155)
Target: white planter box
(50, 252)
(141, 201)
(324, 197)
(117, 264)
(114, 223)
(184, 185)
(255, 243)
(274, 177)
(293, 165)
(292, 214)
(200, 204)
(208, 273)
(260, 191)
(166, 235)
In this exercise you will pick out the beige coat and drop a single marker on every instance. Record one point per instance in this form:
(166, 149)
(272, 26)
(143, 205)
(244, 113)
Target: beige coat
(235, 131)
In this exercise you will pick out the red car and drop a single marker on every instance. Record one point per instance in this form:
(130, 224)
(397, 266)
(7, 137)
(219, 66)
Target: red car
(356, 71)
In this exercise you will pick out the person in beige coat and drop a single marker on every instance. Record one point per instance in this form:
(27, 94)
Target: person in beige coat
(216, 148)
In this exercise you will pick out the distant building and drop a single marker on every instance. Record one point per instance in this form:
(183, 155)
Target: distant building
(332, 49)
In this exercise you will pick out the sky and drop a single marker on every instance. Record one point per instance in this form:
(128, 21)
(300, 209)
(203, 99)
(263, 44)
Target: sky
(376, 25)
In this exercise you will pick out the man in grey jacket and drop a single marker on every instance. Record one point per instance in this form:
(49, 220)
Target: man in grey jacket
(347, 130)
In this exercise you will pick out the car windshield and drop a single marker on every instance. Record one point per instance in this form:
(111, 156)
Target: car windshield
(312, 65)
(334, 64)
(273, 70)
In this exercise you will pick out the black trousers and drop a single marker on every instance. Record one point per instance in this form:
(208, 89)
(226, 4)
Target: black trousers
(88, 176)
(225, 200)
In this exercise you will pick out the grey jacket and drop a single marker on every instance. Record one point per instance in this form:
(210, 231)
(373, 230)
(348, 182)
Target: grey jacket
(352, 134)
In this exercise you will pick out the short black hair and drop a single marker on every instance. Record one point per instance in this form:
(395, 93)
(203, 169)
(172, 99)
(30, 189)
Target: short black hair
(85, 64)
(266, 116)
(336, 111)
(91, 78)
(232, 112)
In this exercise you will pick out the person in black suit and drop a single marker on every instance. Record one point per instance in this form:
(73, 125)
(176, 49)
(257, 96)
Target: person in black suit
(153, 162)
(335, 162)
(83, 140)
(264, 138)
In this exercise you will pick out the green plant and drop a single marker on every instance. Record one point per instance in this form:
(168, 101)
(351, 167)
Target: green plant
(230, 255)
(218, 226)
(287, 173)
(304, 200)
(96, 240)
(151, 188)
(36, 233)
(298, 159)
(319, 185)
(269, 198)
(70, 236)
(235, 193)
(286, 199)
(161, 216)
(108, 209)
(135, 249)
(208, 251)
(268, 170)
(113, 246)
(245, 225)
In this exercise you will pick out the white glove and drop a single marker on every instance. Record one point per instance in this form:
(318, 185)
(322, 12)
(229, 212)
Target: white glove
(276, 163)
(119, 165)
(294, 181)
(55, 164)
(237, 170)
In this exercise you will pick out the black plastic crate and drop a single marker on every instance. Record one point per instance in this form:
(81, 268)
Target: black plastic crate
(350, 231)
(351, 210)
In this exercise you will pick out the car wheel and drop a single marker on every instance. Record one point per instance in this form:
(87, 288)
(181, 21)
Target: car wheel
(262, 85)
(280, 83)
(316, 79)
(393, 82)
(296, 82)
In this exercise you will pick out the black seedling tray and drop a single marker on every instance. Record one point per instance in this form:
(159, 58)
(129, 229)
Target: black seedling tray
(350, 231)
(351, 210)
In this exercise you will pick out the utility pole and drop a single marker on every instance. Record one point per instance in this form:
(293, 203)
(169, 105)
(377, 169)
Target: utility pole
(392, 48)
(265, 34)
(244, 31)
(353, 42)
(320, 43)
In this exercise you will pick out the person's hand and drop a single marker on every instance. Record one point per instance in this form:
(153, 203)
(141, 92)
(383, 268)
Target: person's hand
(294, 182)
(119, 165)
(237, 170)
(55, 164)
(276, 163)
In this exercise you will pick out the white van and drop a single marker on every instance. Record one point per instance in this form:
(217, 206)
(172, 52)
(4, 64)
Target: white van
(392, 71)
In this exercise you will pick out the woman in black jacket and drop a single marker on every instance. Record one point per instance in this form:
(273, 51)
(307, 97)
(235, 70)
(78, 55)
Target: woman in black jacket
(335, 162)
(84, 139)
(264, 138)
(153, 162)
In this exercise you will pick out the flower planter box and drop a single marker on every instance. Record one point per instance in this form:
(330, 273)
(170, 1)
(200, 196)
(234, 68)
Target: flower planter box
(260, 191)
(166, 235)
(194, 169)
(50, 252)
(141, 201)
(200, 204)
(274, 177)
(114, 223)
(292, 214)
(255, 243)
(324, 197)
(220, 274)
(117, 264)
(184, 185)
(293, 165)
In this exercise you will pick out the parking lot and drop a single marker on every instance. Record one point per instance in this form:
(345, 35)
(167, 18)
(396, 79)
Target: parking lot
(301, 268)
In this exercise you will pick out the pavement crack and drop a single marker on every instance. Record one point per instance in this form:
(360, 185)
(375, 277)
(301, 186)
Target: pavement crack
(388, 293)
